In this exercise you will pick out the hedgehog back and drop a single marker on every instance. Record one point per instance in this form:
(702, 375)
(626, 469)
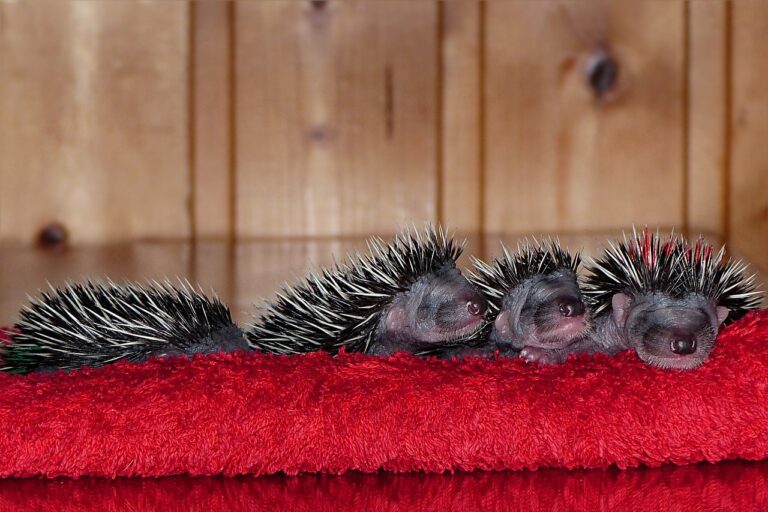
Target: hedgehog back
(339, 308)
(93, 324)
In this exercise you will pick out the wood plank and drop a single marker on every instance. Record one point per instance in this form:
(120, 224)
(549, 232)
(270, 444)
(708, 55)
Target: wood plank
(258, 268)
(336, 116)
(559, 159)
(33, 269)
(93, 119)
(212, 46)
(264, 266)
(707, 117)
(749, 130)
(212, 266)
(461, 178)
(213, 161)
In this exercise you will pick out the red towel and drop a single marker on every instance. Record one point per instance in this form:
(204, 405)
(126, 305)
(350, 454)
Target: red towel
(731, 486)
(259, 414)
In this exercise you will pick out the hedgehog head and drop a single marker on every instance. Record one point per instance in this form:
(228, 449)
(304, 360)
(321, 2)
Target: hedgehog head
(534, 296)
(403, 295)
(666, 299)
(431, 302)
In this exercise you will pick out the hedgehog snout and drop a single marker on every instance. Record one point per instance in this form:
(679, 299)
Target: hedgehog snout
(683, 345)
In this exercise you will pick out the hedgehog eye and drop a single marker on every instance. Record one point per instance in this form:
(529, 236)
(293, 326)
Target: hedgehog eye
(476, 308)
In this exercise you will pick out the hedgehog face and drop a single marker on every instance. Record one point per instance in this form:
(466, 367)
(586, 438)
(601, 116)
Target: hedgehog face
(441, 308)
(669, 332)
(546, 311)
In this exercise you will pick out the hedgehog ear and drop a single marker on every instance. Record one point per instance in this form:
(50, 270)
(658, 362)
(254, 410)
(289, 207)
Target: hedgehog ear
(502, 324)
(722, 313)
(396, 319)
(620, 303)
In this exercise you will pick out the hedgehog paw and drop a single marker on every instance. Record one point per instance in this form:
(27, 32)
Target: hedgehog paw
(541, 356)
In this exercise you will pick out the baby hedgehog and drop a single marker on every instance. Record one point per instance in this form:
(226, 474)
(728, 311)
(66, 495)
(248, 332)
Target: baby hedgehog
(534, 298)
(93, 324)
(404, 296)
(666, 299)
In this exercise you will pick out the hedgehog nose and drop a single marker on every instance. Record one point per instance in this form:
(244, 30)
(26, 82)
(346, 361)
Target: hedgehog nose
(571, 307)
(683, 346)
(475, 308)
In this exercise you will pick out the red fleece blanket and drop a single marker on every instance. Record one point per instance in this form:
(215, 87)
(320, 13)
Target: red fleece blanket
(259, 414)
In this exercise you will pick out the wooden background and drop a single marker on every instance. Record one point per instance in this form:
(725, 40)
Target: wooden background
(289, 119)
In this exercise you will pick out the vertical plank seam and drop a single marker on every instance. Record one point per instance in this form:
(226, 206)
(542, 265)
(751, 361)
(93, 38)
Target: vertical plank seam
(191, 138)
(439, 206)
(231, 254)
(231, 126)
(727, 122)
(232, 119)
(686, 124)
(481, 126)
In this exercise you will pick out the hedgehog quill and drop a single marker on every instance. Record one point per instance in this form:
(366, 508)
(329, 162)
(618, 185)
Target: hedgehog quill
(404, 296)
(96, 323)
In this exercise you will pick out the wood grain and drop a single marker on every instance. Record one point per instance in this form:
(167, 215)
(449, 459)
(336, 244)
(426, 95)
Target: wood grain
(34, 269)
(93, 119)
(461, 178)
(321, 119)
(212, 158)
(257, 268)
(707, 140)
(749, 127)
(263, 266)
(558, 159)
(336, 116)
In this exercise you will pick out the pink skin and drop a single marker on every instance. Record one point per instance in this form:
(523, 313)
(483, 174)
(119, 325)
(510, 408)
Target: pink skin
(569, 331)
(502, 324)
(543, 356)
(548, 352)
(564, 335)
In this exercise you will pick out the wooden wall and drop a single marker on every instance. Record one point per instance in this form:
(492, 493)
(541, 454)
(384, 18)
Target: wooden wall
(174, 120)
